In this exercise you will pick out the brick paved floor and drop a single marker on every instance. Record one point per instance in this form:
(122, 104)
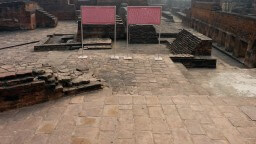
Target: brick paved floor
(145, 102)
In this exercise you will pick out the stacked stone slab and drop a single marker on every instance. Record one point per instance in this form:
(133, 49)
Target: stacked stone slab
(191, 42)
(29, 87)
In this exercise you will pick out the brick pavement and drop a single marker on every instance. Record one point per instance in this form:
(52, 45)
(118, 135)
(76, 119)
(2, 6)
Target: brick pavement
(145, 102)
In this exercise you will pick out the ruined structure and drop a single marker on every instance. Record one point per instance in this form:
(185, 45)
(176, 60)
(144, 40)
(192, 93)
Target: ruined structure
(235, 32)
(24, 15)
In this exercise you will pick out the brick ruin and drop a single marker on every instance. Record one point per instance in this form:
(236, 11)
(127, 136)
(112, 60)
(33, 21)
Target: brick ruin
(235, 34)
(24, 87)
(24, 15)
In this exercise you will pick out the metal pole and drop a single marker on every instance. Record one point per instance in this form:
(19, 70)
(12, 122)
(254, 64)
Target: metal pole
(127, 37)
(115, 56)
(82, 36)
(159, 40)
(127, 57)
(115, 39)
(158, 58)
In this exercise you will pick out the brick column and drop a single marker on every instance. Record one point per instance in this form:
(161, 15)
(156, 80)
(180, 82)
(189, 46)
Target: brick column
(236, 48)
(219, 36)
(240, 48)
(228, 43)
(250, 58)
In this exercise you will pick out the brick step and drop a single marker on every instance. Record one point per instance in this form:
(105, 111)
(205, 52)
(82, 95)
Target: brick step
(17, 81)
(184, 71)
(82, 88)
(46, 13)
(13, 75)
(24, 88)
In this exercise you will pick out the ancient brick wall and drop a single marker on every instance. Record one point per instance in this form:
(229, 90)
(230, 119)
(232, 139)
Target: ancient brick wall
(242, 26)
(236, 33)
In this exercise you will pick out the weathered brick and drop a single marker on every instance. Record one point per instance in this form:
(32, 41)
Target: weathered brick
(23, 73)
(7, 75)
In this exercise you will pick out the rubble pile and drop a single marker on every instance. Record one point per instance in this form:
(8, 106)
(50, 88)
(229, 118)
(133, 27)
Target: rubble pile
(29, 87)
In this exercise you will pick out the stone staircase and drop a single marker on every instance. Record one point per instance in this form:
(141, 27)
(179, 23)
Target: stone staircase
(45, 19)
(29, 87)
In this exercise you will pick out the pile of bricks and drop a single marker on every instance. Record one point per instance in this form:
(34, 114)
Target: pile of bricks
(29, 87)
(191, 42)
